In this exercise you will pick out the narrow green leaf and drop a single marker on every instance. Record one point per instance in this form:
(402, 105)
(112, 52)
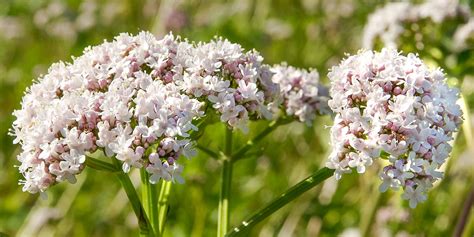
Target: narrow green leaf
(100, 165)
(292, 193)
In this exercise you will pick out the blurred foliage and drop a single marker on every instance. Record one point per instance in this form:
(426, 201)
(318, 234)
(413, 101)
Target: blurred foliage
(306, 33)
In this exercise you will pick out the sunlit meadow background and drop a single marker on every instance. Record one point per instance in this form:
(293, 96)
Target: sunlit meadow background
(304, 33)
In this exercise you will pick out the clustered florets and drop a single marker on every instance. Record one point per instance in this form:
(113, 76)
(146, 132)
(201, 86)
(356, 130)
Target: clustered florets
(137, 98)
(392, 106)
(302, 95)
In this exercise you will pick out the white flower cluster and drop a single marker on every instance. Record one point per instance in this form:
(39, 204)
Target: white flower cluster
(388, 22)
(236, 84)
(302, 95)
(136, 99)
(392, 106)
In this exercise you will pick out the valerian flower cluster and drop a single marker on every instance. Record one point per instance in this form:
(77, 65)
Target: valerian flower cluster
(138, 98)
(392, 106)
(301, 92)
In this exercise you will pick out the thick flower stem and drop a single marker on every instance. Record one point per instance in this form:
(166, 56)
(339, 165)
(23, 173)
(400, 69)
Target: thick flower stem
(149, 199)
(101, 165)
(292, 193)
(223, 220)
(143, 221)
(163, 206)
(223, 210)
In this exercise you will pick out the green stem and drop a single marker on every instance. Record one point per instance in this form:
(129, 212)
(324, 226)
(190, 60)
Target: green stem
(223, 220)
(208, 151)
(228, 142)
(223, 210)
(149, 198)
(101, 165)
(143, 221)
(250, 143)
(292, 193)
(163, 205)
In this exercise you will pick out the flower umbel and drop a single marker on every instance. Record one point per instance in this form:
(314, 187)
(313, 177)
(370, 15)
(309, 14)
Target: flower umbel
(138, 98)
(303, 97)
(392, 106)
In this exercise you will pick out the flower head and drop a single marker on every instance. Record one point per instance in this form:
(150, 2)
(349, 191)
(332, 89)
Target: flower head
(392, 106)
(301, 94)
(137, 98)
(118, 96)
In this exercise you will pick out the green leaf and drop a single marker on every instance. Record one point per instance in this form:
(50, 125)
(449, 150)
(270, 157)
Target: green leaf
(100, 165)
(292, 193)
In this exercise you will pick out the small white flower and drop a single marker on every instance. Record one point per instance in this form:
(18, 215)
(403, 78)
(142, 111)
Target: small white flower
(70, 166)
(414, 195)
(106, 137)
(389, 181)
(157, 171)
(175, 171)
(359, 161)
(432, 170)
(130, 158)
(50, 149)
(248, 90)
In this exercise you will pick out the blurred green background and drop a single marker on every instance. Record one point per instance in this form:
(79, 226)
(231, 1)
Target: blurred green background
(304, 33)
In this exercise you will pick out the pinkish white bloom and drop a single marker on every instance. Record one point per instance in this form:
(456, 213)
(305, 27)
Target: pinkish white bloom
(301, 94)
(392, 106)
(118, 96)
(137, 98)
(235, 83)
